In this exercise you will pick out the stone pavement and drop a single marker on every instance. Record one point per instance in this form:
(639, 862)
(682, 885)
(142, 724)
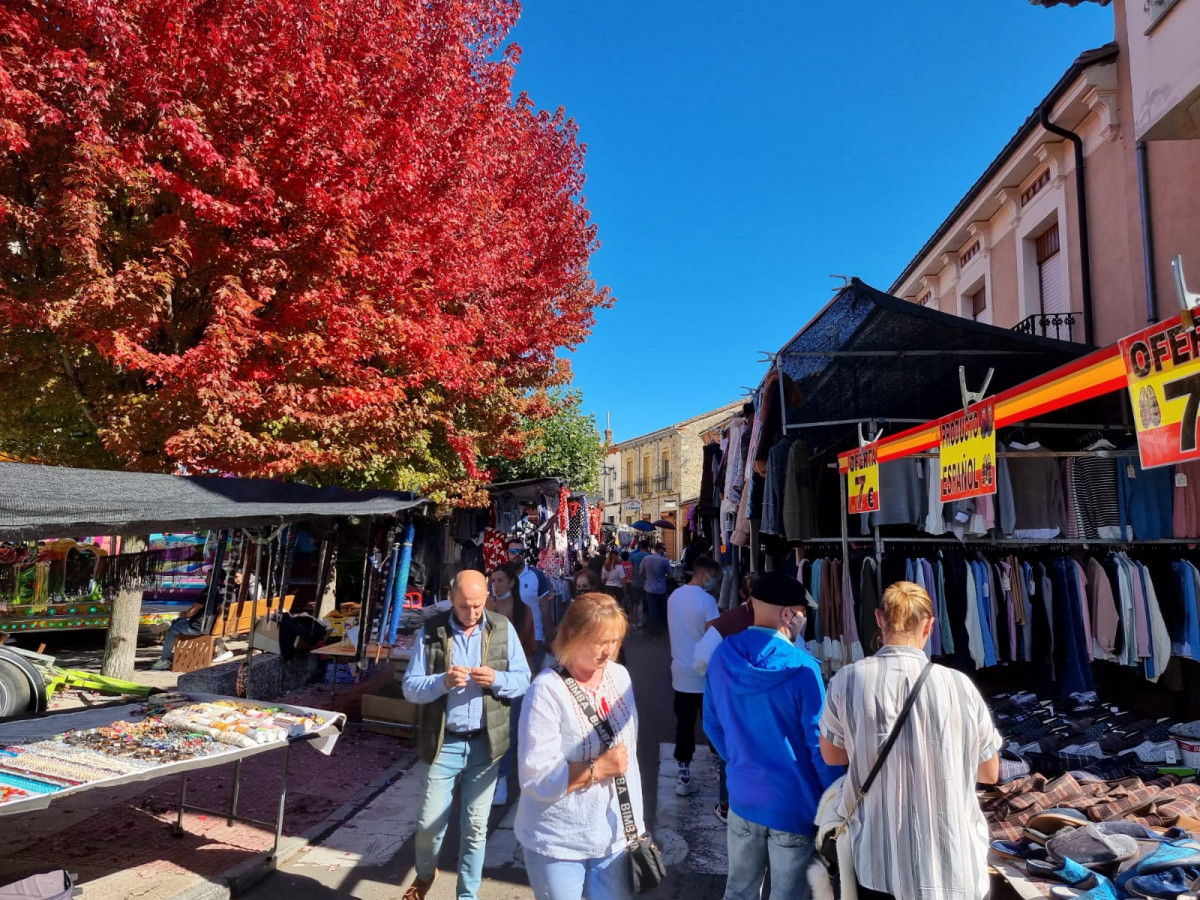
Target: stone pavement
(371, 856)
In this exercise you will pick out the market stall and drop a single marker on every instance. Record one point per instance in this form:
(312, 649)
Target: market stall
(252, 526)
(1046, 494)
(43, 760)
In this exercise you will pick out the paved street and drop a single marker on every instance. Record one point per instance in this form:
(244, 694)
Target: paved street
(373, 853)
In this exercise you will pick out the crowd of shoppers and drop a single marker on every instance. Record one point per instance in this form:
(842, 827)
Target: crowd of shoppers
(493, 701)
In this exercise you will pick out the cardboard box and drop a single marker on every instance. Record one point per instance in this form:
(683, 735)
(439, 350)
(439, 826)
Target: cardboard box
(388, 705)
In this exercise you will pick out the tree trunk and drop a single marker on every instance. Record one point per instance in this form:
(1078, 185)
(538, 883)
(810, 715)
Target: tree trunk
(328, 597)
(120, 645)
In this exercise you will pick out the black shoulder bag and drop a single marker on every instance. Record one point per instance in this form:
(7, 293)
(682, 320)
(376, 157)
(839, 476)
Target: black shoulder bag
(646, 867)
(828, 851)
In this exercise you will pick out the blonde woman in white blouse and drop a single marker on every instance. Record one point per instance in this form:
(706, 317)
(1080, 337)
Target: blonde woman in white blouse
(568, 817)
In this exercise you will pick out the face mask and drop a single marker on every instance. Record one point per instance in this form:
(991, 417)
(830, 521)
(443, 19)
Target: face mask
(709, 585)
(796, 627)
(503, 596)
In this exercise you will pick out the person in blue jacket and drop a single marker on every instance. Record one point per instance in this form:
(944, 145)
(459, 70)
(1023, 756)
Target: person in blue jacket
(763, 698)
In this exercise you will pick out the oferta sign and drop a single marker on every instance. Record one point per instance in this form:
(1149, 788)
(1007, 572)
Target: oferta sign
(967, 452)
(862, 481)
(1162, 372)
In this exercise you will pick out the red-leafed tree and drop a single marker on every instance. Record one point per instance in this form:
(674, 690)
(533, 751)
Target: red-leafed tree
(314, 238)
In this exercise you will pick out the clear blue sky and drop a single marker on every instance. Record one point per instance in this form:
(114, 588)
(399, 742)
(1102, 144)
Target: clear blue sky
(740, 153)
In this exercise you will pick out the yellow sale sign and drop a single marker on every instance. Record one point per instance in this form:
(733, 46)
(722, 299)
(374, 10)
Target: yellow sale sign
(1162, 371)
(967, 452)
(862, 481)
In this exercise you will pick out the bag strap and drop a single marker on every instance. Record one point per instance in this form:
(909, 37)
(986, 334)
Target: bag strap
(609, 739)
(887, 746)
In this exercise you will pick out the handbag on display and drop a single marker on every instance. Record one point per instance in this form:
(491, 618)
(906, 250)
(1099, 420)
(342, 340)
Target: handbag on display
(828, 842)
(646, 866)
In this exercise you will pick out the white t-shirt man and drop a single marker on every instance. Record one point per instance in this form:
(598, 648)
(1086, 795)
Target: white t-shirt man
(689, 610)
(532, 597)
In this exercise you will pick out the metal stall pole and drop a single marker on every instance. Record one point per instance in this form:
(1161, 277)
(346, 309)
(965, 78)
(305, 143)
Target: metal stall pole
(283, 782)
(401, 586)
(237, 786)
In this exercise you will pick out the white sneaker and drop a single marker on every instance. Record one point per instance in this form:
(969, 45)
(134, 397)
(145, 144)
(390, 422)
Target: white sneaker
(221, 657)
(501, 796)
(163, 665)
(685, 786)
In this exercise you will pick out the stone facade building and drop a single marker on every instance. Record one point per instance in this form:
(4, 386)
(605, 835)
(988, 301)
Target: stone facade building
(654, 476)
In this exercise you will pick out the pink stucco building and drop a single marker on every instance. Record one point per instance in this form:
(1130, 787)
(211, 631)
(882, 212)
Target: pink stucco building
(1072, 228)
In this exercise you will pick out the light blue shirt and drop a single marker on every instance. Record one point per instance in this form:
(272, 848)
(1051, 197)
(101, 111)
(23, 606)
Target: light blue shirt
(464, 705)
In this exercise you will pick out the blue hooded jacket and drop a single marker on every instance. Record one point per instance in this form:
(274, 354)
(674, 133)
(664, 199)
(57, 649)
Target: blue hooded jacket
(763, 697)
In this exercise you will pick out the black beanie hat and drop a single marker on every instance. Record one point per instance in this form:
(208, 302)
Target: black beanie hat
(777, 589)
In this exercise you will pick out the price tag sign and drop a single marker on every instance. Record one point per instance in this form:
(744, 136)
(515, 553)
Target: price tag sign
(862, 481)
(1162, 371)
(967, 452)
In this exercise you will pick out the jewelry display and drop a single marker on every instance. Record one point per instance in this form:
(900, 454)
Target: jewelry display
(172, 729)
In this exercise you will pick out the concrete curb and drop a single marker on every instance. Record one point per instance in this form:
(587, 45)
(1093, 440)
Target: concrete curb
(245, 875)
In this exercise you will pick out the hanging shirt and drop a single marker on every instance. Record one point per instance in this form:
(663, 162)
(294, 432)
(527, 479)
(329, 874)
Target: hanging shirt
(1105, 620)
(1160, 638)
(1146, 496)
(974, 625)
(1039, 499)
(1186, 522)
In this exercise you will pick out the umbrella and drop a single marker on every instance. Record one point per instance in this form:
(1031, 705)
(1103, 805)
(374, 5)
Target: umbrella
(642, 525)
(665, 523)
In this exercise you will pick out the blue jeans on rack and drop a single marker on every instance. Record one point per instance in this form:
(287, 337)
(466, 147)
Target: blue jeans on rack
(467, 763)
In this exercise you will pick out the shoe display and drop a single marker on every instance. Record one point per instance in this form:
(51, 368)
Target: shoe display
(500, 798)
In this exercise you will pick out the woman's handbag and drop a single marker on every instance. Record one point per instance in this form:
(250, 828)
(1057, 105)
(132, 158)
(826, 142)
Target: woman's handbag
(646, 867)
(828, 847)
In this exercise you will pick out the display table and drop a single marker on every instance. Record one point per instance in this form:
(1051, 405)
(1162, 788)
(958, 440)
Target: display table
(16, 735)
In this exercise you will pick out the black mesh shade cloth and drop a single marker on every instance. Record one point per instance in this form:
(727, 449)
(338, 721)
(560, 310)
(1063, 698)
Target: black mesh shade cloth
(48, 501)
(888, 357)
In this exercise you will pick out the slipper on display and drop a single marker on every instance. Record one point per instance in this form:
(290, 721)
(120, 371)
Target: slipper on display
(1050, 821)
(1102, 889)
(1064, 870)
(1089, 846)
(1161, 857)
(1019, 851)
(1164, 885)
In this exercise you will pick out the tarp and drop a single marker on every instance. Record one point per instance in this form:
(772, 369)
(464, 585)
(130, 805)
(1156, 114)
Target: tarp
(868, 355)
(46, 501)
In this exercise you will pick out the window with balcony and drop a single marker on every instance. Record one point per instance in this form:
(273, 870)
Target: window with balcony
(665, 468)
(1050, 271)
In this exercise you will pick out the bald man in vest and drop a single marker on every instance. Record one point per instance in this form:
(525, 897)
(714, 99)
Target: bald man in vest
(467, 666)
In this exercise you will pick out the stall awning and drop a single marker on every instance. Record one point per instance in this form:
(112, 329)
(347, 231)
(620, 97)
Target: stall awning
(46, 501)
(869, 355)
(1076, 384)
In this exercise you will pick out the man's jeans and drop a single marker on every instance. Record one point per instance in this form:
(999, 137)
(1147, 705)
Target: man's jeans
(752, 847)
(181, 626)
(468, 763)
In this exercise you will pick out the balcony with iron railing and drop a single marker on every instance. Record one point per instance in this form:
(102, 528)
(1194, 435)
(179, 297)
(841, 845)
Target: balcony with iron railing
(1060, 326)
(662, 482)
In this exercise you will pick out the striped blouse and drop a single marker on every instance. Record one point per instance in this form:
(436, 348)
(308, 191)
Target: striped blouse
(920, 833)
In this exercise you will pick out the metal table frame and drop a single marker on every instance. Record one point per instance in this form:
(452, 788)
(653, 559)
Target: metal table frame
(231, 815)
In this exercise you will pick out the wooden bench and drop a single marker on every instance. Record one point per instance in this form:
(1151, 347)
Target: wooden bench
(192, 653)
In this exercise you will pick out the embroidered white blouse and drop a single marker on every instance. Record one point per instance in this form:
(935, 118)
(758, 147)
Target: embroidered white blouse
(582, 824)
